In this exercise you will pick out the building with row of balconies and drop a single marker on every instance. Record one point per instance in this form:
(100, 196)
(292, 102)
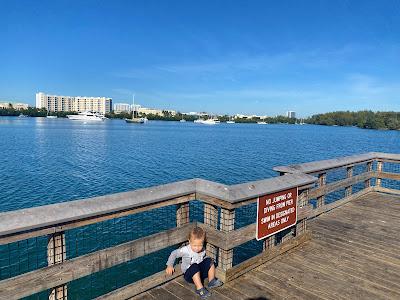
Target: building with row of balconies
(55, 103)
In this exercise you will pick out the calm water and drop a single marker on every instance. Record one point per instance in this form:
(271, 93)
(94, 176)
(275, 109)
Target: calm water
(47, 161)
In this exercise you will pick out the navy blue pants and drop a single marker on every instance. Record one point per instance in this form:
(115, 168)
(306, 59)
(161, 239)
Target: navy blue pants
(202, 267)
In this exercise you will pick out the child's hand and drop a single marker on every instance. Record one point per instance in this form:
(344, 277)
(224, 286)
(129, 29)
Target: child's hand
(170, 270)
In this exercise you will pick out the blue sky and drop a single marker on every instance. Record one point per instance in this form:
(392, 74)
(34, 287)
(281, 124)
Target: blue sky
(262, 57)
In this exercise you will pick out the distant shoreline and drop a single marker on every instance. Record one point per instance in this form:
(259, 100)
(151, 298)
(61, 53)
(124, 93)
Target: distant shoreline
(360, 119)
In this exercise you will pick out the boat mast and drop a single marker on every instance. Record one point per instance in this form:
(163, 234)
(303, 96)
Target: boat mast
(133, 107)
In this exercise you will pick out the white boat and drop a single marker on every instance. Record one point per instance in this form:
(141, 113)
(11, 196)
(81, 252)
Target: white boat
(262, 123)
(210, 122)
(182, 121)
(87, 116)
(51, 117)
(136, 120)
(23, 116)
(198, 121)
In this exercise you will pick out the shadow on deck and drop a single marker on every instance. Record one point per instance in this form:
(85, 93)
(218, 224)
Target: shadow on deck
(354, 253)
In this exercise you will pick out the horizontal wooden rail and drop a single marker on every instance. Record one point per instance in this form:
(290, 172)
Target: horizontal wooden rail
(340, 184)
(62, 216)
(386, 175)
(324, 165)
(329, 164)
(22, 235)
(52, 276)
(235, 238)
(385, 190)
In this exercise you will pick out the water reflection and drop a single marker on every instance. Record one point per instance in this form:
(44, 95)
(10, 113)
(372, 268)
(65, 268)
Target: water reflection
(52, 160)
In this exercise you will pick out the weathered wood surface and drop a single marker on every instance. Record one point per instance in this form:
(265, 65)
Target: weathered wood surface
(354, 253)
(324, 165)
(340, 184)
(240, 236)
(58, 274)
(317, 166)
(46, 219)
(61, 227)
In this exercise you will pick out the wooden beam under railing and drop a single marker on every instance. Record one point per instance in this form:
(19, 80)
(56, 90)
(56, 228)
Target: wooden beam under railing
(49, 277)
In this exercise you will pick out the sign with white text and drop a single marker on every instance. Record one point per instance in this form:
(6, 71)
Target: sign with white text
(276, 212)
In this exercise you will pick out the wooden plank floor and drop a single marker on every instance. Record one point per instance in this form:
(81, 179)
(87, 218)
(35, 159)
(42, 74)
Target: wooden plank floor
(354, 253)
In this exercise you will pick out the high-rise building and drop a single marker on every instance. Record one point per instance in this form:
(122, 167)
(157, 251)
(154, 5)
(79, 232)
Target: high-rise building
(54, 103)
(122, 107)
(291, 114)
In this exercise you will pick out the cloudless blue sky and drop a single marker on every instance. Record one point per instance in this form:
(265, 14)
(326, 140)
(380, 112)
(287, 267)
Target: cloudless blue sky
(262, 57)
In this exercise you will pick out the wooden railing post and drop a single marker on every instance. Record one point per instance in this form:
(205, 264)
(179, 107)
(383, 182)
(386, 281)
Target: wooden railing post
(303, 197)
(269, 242)
(349, 189)
(182, 214)
(227, 224)
(56, 254)
(211, 219)
(321, 182)
(379, 167)
(301, 225)
(367, 183)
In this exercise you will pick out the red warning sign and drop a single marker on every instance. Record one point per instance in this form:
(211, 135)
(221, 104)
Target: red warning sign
(276, 212)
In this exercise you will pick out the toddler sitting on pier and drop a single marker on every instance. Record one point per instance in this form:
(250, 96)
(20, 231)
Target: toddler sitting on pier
(195, 266)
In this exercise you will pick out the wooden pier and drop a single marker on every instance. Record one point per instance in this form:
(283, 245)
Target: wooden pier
(354, 253)
(344, 244)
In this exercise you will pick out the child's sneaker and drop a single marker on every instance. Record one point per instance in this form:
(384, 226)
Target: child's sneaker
(203, 293)
(215, 283)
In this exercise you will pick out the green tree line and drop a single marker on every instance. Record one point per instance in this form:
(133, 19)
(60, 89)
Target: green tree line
(167, 116)
(33, 112)
(363, 119)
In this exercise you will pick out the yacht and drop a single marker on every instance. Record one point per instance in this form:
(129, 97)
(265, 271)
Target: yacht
(182, 121)
(210, 122)
(23, 116)
(262, 123)
(198, 121)
(87, 116)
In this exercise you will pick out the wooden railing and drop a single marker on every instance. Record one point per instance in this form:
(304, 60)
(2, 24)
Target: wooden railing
(370, 166)
(227, 214)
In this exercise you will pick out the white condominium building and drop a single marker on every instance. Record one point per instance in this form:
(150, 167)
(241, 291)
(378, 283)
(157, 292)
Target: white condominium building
(122, 107)
(56, 103)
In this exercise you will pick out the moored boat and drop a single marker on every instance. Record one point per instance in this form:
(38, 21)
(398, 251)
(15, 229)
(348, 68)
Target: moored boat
(135, 115)
(87, 116)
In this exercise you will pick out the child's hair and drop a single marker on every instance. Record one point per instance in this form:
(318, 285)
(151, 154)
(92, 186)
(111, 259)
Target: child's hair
(197, 233)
